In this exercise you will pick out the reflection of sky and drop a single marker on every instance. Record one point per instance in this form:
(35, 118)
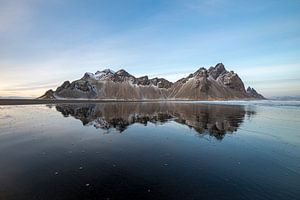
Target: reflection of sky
(275, 123)
(45, 43)
(260, 159)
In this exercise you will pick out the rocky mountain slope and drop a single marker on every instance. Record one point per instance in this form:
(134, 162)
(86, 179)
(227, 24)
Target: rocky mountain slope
(216, 83)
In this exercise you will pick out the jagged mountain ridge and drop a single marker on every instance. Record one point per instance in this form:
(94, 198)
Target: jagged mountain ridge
(216, 83)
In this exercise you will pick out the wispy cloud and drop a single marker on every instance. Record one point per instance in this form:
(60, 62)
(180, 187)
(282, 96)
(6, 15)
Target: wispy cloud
(43, 46)
(15, 15)
(207, 6)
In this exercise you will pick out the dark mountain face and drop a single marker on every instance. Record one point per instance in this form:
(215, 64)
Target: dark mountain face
(216, 83)
(216, 120)
(216, 71)
(252, 92)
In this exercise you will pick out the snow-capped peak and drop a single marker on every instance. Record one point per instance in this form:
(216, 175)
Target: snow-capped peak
(122, 72)
(99, 75)
(106, 71)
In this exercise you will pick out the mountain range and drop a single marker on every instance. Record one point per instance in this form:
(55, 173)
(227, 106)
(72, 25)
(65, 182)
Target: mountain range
(215, 83)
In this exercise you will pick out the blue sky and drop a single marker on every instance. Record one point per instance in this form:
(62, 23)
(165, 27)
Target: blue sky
(44, 43)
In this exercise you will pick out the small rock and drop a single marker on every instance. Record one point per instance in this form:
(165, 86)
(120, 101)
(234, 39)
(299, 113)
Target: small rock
(56, 173)
(87, 185)
(80, 168)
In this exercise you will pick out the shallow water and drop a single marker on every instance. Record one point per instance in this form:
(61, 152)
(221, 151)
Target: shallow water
(185, 150)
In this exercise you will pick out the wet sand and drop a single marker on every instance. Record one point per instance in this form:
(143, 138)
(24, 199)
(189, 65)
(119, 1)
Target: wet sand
(178, 150)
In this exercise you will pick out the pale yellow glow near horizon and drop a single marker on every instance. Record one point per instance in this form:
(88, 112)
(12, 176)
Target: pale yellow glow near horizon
(24, 93)
(24, 89)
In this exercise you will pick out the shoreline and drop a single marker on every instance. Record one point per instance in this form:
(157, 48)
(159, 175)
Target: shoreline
(61, 101)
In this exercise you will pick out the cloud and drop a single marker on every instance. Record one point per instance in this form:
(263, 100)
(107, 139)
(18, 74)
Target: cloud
(27, 88)
(207, 6)
(171, 43)
(15, 15)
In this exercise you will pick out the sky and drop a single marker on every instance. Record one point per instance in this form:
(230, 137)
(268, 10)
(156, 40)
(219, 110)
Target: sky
(44, 43)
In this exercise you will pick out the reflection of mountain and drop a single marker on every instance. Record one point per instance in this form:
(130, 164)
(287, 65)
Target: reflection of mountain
(217, 120)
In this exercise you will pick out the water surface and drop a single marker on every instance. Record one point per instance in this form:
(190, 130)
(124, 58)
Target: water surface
(186, 150)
